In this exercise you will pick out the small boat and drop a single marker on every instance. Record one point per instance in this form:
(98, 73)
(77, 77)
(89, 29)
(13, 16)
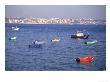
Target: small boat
(86, 59)
(55, 40)
(12, 38)
(80, 35)
(15, 28)
(36, 44)
(39, 42)
(90, 43)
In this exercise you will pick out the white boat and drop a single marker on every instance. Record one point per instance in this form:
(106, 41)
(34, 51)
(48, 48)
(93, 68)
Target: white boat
(39, 42)
(80, 35)
(13, 38)
(15, 28)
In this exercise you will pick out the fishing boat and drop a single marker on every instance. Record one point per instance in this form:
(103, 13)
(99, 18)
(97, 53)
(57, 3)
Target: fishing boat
(91, 43)
(55, 40)
(80, 35)
(36, 44)
(12, 38)
(85, 59)
(15, 28)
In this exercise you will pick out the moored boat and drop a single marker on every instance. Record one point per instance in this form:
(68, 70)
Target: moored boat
(80, 35)
(85, 59)
(36, 44)
(15, 28)
(55, 40)
(92, 42)
(12, 38)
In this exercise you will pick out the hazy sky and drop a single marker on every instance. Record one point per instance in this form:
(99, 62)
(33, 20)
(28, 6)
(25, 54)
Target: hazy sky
(60, 11)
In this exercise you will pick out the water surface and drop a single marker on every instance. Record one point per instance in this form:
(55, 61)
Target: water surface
(51, 56)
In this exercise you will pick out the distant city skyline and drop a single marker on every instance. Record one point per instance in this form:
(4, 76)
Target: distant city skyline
(57, 11)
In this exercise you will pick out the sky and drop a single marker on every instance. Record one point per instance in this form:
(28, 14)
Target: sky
(57, 11)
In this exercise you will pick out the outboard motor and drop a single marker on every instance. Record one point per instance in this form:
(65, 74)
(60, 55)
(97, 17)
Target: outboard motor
(85, 42)
(77, 59)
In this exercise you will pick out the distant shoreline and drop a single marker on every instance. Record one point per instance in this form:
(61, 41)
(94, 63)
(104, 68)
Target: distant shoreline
(51, 24)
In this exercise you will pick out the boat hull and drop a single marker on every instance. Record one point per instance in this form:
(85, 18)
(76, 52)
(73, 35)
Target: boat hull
(35, 46)
(55, 40)
(86, 59)
(90, 43)
(80, 37)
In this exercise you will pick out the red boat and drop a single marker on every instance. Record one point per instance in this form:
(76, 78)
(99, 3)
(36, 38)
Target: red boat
(86, 59)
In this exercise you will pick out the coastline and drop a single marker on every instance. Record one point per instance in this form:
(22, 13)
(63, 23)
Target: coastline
(50, 24)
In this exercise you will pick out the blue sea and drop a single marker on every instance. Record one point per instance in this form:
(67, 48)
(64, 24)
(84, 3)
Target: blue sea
(54, 56)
